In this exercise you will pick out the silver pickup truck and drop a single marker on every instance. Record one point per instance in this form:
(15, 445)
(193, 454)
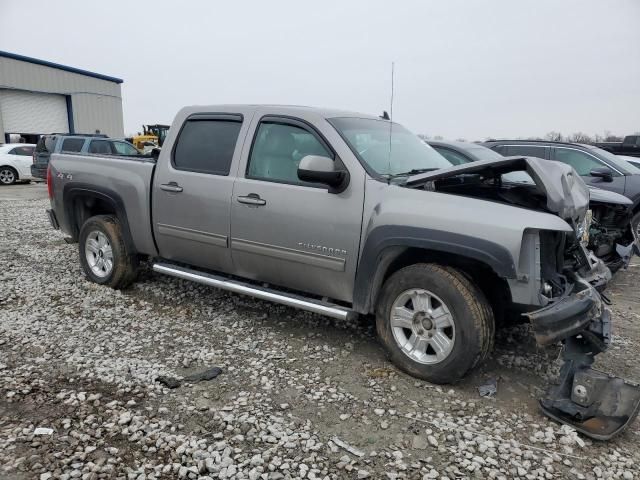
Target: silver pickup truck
(341, 214)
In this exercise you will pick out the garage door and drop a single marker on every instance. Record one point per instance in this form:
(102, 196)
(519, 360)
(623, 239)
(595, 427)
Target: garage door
(27, 112)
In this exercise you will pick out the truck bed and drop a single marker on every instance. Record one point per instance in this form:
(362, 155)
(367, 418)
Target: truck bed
(127, 180)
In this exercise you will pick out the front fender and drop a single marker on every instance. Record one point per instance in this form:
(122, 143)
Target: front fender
(385, 243)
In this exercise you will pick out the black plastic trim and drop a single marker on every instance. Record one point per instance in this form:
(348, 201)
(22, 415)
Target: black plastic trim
(386, 243)
(72, 190)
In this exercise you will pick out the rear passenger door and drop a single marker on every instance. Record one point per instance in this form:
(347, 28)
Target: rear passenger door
(192, 190)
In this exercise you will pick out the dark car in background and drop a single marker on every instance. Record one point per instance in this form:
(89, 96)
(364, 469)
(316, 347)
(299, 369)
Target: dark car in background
(597, 167)
(630, 146)
(610, 235)
(76, 143)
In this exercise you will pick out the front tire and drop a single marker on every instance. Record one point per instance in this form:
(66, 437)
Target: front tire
(104, 256)
(434, 322)
(8, 175)
(635, 223)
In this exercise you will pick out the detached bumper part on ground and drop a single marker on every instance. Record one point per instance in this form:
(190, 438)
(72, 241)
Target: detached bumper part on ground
(594, 403)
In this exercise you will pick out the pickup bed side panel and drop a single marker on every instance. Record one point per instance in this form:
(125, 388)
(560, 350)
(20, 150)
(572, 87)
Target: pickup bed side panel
(121, 181)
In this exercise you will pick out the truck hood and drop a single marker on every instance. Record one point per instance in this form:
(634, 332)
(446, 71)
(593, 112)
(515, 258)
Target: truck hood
(564, 192)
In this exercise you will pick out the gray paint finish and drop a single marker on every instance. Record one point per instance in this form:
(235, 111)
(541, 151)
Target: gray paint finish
(269, 242)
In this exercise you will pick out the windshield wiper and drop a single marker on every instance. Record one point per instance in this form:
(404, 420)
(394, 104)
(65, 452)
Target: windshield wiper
(413, 171)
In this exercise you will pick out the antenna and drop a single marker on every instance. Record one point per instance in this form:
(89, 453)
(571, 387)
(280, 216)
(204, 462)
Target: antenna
(391, 120)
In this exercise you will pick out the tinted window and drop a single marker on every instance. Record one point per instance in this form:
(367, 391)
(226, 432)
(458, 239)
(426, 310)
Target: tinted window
(525, 151)
(102, 147)
(278, 149)
(501, 149)
(23, 151)
(582, 162)
(454, 157)
(72, 144)
(206, 146)
(122, 148)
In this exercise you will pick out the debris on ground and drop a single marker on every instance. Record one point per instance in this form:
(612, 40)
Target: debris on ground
(344, 445)
(489, 389)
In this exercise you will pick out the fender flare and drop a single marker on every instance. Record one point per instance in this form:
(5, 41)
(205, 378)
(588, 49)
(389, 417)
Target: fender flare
(73, 190)
(384, 244)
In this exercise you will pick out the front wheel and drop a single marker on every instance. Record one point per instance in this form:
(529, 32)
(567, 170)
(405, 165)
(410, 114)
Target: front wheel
(434, 322)
(103, 253)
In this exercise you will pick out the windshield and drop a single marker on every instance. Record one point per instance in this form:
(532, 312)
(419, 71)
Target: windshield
(620, 163)
(369, 141)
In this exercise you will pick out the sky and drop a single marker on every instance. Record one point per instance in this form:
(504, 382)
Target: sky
(463, 68)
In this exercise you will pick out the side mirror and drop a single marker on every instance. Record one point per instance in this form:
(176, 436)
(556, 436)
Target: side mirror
(319, 169)
(155, 153)
(602, 172)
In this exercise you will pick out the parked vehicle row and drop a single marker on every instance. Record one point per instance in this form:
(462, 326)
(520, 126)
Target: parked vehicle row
(609, 235)
(76, 143)
(345, 214)
(15, 163)
(630, 146)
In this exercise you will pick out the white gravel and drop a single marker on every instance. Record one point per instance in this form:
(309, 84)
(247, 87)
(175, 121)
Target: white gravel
(82, 359)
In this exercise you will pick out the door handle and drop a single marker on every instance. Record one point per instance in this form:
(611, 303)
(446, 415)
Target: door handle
(171, 187)
(252, 199)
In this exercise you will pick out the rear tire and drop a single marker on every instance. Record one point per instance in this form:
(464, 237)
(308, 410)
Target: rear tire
(434, 322)
(8, 175)
(104, 256)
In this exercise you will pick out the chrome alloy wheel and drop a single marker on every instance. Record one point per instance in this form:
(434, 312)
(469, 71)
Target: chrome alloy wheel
(99, 254)
(7, 176)
(422, 326)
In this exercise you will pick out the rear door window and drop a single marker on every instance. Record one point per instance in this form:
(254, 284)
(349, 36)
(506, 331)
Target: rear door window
(454, 157)
(22, 151)
(122, 148)
(100, 147)
(206, 145)
(72, 145)
(526, 151)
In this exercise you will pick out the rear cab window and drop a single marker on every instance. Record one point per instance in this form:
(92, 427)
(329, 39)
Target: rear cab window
(206, 144)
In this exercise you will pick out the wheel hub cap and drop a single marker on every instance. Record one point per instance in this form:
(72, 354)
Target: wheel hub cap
(422, 326)
(99, 254)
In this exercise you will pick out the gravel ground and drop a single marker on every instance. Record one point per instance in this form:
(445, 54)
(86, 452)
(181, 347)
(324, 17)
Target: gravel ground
(295, 390)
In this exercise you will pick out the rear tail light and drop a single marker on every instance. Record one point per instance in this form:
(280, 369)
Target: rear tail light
(49, 181)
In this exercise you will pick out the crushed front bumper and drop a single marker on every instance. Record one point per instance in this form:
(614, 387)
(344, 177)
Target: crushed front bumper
(596, 404)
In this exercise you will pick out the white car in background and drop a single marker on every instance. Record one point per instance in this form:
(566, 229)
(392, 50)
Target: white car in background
(15, 162)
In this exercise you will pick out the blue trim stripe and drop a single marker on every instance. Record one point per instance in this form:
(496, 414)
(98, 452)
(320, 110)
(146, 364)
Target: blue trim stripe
(66, 68)
(70, 114)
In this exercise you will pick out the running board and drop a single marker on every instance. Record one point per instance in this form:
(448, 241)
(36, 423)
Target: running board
(288, 299)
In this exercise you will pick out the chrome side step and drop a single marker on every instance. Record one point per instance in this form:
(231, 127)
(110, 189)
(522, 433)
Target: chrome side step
(291, 300)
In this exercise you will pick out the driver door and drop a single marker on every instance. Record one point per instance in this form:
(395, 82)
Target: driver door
(288, 232)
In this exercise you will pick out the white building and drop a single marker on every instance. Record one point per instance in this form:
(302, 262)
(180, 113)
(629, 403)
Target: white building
(38, 97)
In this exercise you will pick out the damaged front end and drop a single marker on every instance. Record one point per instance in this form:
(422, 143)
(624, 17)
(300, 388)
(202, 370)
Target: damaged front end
(594, 403)
(610, 234)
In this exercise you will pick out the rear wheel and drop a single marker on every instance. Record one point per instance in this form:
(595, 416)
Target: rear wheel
(103, 253)
(8, 175)
(435, 324)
